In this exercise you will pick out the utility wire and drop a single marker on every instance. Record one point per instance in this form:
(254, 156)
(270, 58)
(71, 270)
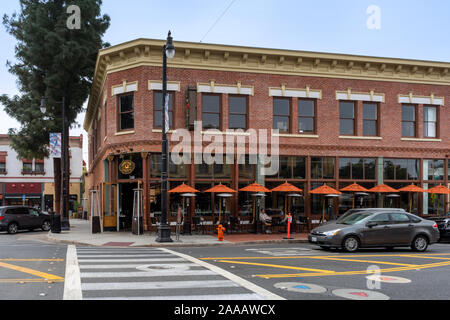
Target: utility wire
(223, 13)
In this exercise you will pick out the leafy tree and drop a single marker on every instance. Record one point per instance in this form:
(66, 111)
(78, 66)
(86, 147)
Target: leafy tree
(53, 61)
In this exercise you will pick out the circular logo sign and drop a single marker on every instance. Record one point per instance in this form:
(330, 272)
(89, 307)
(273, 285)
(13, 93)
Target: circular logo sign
(300, 287)
(127, 167)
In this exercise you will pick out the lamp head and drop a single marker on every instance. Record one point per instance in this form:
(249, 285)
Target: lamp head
(43, 106)
(170, 48)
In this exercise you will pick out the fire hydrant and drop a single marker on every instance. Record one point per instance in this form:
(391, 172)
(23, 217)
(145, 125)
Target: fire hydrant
(220, 231)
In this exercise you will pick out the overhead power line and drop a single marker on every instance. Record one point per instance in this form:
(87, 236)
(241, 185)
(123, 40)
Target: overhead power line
(218, 19)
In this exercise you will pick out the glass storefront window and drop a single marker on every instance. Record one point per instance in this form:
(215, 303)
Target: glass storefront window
(401, 169)
(247, 170)
(433, 170)
(203, 203)
(322, 168)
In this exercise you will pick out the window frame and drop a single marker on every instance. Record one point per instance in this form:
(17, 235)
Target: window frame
(436, 122)
(377, 120)
(408, 121)
(245, 97)
(354, 119)
(314, 117)
(219, 95)
(289, 117)
(119, 113)
(171, 113)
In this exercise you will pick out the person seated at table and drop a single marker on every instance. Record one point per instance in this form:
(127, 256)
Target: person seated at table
(266, 221)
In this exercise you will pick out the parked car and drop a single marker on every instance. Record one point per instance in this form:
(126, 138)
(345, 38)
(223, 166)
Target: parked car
(376, 228)
(15, 218)
(443, 225)
(364, 209)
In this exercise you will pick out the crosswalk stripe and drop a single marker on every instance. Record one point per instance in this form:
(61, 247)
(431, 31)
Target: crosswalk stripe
(221, 297)
(130, 266)
(131, 260)
(142, 274)
(158, 285)
(125, 256)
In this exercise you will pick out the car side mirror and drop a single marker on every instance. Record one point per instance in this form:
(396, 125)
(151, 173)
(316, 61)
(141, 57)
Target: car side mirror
(371, 224)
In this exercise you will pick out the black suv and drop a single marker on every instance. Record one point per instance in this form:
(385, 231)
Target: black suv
(15, 218)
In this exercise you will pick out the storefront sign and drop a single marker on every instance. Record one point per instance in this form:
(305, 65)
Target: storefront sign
(127, 167)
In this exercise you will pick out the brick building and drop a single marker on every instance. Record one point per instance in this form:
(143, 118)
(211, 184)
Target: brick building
(341, 119)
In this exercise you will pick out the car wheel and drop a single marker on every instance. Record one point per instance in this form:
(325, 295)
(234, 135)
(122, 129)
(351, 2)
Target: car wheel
(420, 243)
(13, 228)
(46, 226)
(351, 244)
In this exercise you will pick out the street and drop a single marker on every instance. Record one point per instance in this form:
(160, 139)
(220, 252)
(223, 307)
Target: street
(31, 269)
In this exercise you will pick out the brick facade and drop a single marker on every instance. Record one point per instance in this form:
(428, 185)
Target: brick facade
(326, 141)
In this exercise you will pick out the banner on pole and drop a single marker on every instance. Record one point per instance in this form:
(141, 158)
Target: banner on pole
(166, 111)
(55, 145)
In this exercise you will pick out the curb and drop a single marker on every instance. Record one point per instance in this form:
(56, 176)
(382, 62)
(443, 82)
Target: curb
(181, 244)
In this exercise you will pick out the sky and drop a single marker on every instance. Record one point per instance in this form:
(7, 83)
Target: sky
(409, 29)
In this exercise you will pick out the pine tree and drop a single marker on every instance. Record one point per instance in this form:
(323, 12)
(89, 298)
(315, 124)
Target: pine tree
(53, 61)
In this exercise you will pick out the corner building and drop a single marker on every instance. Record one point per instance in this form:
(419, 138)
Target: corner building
(341, 119)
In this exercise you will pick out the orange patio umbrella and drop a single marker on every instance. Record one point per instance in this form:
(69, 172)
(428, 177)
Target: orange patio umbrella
(286, 187)
(255, 188)
(382, 188)
(354, 188)
(411, 189)
(324, 190)
(220, 188)
(184, 189)
(439, 190)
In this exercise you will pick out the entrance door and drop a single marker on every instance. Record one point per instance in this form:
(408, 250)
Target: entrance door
(126, 196)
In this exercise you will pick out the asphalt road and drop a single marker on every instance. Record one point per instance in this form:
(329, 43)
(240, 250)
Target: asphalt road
(306, 272)
(31, 269)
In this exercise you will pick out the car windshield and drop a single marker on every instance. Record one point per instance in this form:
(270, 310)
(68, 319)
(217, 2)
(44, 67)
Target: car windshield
(345, 215)
(354, 218)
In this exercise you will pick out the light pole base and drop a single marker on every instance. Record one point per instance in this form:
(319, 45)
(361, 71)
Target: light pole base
(65, 224)
(164, 234)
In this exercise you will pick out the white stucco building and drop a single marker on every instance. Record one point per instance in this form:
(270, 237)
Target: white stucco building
(31, 181)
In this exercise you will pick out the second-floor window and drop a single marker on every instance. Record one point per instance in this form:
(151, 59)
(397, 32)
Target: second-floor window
(126, 112)
(27, 166)
(429, 122)
(39, 166)
(306, 116)
(408, 121)
(237, 117)
(211, 111)
(281, 114)
(370, 119)
(2, 166)
(158, 110)
(347, 118)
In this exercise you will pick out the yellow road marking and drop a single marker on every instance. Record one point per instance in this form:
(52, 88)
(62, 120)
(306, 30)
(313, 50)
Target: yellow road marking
(32, 260)
(27, 280)
(425, 266)
(30, 271)
(369, 261)
(424, 257)
(276, 266)
(319, 257)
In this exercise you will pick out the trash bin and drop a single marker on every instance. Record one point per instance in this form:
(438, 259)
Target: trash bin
(56, 223)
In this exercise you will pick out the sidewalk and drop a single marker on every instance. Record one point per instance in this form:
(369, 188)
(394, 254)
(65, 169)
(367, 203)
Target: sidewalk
(80, 234)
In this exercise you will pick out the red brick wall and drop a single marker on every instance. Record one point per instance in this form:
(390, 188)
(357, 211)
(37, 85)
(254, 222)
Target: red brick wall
(260, 110)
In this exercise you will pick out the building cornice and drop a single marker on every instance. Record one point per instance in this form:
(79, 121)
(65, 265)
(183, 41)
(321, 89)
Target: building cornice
(148, 52)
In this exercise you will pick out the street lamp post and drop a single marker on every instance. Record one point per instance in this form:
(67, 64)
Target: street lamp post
(65, 224)
(164, 228)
